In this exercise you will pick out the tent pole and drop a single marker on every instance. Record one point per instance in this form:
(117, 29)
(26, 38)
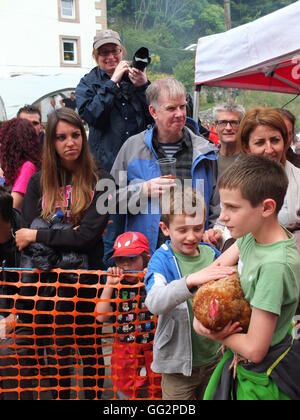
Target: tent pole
(196, 103)
(286, 81)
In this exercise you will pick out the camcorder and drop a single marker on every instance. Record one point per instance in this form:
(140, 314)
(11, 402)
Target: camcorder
(141, 59)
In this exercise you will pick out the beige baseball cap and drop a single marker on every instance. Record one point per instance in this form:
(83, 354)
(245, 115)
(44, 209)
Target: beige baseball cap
(106, 36)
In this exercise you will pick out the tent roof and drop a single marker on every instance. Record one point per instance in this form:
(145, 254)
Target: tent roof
(30, 88)
(261, 55)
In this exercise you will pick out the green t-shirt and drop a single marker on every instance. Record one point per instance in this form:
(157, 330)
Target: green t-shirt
(270, 278)
(204, 350)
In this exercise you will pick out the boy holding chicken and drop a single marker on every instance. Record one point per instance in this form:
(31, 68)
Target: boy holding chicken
(252, 192)
(185, 360)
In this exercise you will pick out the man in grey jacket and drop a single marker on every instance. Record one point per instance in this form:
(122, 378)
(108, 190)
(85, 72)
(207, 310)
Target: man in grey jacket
(196, 159)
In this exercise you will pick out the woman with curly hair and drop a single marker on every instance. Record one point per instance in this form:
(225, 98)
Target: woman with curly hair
(20, 156)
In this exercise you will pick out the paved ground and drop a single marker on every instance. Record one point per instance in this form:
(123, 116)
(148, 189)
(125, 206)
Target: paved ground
(107, 348)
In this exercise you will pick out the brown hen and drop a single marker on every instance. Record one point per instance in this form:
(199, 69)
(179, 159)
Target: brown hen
(218, 302)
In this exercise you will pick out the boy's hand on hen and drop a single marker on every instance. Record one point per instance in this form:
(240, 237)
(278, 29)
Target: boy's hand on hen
(208, 274)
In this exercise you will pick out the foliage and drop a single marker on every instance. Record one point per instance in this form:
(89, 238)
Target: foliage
(161, 45)
(185, 20)
(154, 76)
(184, 71)
(247, 11)
(251, 99)
(181, 22)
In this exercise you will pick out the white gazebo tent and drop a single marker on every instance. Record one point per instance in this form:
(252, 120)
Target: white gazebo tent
(261, 55)
(17, 91)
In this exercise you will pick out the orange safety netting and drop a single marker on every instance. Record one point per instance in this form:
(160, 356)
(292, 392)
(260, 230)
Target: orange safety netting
(53, 347)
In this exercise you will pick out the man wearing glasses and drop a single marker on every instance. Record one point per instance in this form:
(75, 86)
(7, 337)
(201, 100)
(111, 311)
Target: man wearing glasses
(227, 118)
(111, 99)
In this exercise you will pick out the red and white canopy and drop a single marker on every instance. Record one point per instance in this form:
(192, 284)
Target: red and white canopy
(261, 55)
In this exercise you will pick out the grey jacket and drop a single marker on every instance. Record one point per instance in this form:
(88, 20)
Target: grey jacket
(172, 351)
(167, 296)
(137, 158)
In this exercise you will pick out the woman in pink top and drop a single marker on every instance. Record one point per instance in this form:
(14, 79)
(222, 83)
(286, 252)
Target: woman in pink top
(20, 156)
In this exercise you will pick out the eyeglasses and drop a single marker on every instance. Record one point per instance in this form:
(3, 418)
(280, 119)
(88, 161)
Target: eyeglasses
(106, 53)
(224, 123)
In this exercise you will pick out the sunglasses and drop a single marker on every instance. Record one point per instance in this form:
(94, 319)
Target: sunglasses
(106, 53)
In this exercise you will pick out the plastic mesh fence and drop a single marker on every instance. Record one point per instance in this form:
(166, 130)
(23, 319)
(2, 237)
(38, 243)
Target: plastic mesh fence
(53, 347)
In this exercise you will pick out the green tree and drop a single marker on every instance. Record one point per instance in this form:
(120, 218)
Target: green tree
(159, 43)
(184, 71)
(183, 20)
(211, 19)
(246, 11)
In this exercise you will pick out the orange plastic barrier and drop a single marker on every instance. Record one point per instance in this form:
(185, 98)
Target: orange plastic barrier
(52, 346)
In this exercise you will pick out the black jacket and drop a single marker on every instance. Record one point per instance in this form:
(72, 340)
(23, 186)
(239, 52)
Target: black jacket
(9, 258)
(100, 103)
(43, 257)
(87, 239)
(9, 254)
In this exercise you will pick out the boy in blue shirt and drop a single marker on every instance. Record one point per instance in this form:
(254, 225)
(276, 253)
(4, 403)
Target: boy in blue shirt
(185, 361)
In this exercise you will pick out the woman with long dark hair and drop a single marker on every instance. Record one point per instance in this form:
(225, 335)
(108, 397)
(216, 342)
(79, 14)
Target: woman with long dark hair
(67, 183)
(20, 156)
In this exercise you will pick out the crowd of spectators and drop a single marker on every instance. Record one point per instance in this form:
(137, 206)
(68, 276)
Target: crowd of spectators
(109, 184)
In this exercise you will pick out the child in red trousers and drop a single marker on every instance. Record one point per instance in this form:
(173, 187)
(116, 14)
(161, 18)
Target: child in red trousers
(124, 294)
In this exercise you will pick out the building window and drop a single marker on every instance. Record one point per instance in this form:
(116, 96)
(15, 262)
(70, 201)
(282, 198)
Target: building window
(68, 11)
(70, 51)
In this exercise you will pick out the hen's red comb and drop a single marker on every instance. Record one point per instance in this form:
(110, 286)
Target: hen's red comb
(213, 310)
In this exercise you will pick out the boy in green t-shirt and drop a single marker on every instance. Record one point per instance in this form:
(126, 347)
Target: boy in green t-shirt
(252, 192)
(185, 360)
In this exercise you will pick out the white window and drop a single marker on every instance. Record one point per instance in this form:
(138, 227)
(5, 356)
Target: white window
(69, 51)
(68, 9)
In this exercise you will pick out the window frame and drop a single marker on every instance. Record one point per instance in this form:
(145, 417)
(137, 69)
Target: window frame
(75, 18)
(77, 51)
